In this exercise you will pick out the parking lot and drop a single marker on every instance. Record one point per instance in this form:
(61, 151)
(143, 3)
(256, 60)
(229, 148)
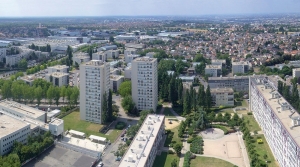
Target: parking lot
(61, 157)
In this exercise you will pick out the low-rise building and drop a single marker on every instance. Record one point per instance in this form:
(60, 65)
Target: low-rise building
(12, 130)
(218, 62)
(150, 54)
(130, 51)
(99, 56)
(2, 54)
(58, 78)
(80, 58)
(112, 54)
(240, 67)
(237, 83)
(143, 148)
(296, 72)
(129, 58)
(115, 82)
(127, 72)
(213, 70)
(222, 96)
(58, 68)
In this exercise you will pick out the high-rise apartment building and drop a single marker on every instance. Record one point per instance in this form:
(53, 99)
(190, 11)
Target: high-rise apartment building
(144, 83)
(94, 82)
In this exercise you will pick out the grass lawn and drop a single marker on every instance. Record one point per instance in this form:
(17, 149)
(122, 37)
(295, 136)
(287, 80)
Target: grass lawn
(165, 160)
(72, 121)
(172, 137)
(209, 162)
(252, 125)
(263, 149)
(168, 113)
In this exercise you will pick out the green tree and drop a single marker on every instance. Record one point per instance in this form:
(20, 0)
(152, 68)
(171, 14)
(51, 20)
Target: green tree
(6, 90)
(109, 106)
(174, 163)
(104, 109)
(74, 96)
(111, 39)
(63, 92)
(125, 88)
(178, 148)
(38, 93)
(56, 95)
(22, 64)
(127, 103)
(208, 97)
(50, 94)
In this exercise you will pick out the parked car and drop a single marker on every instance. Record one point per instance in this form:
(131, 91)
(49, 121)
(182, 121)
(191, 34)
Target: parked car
(118, 158)
(100, 164)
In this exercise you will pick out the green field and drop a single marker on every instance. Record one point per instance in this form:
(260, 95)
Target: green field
(209, 162)
(165, 160)
(72, 121)
(172, 137)
(252, 125)
(264, 149)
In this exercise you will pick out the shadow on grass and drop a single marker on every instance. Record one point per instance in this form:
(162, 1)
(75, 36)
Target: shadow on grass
(169, 138)
(160, 160)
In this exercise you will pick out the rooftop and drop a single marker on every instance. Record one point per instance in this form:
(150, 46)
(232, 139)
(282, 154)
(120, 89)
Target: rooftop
(144, 59)
(240, 63)
(58, 74)
(139, 150)
(228, 78)
(96, 63)
(213, 67)
(59, 67)
(9, 125)
(23, 109)
(116, 77)
(221, 90)
(285, 116)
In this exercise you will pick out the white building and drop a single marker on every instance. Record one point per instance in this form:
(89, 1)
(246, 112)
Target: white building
(58, 68)
(129, 58)
(144, 83)
(80, 58)
(13, 59)
(296, 72)
(277, 119)
(94, 82)
(21, 110)
(127, 72)
(12, 130)
(222, 96)
(142, 151)
(112, 54)
(150, 54)
(213, 70)
(58, 78)
(115, 82)
(130, 51)
(218, 62)
(240, 67)
(2, 54)
(99, 56)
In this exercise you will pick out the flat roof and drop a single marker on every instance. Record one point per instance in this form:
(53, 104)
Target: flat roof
(9, 125)
(144, 59)
(56, 121)
(219, 90)
(95, 63)
(74, 132)
(93, 137)
(213, 66)
(58, 74)
(228, 78)
(59, 67)
(240, 63)
(283, 116)
(22, 109)
(139, 150)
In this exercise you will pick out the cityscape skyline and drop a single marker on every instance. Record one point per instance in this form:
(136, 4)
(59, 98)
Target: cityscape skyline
(29, 8)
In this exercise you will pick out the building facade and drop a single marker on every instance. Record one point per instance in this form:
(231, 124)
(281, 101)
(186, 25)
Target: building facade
(240, 67)
(277, 119)
(80, 58)
(142, 151)
(12, 130)
(144, 83)
(222, 96)
(58, 78)
(213, 70)
(94, 83)
(2, 54)
(237, 83)
(115, 82)
(296, 72)
(99, 56)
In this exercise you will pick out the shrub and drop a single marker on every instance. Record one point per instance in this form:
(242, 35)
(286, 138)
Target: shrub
(170, 152)
(249, 113)
(190, 140)
(186, 162)
(120, 125)
(197, 145)
(260, 141)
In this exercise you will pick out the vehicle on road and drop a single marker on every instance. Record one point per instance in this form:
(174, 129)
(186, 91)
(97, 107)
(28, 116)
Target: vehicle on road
(118, 158)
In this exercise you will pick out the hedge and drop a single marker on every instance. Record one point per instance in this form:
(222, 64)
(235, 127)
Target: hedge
(197, 145)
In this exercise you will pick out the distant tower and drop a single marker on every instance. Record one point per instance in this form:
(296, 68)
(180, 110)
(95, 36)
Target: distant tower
(40, 25)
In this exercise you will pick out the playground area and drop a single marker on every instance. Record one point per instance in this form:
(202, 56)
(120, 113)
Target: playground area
(171, 123)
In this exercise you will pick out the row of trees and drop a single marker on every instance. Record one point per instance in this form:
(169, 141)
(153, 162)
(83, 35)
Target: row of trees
(107, 108)
(43, 66)
(46, 48)
(19, 91)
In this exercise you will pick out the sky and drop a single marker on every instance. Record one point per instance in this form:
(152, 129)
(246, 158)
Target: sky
(27, 8)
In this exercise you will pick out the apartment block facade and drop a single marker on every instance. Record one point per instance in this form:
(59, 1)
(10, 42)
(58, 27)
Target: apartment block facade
(213, 70)
(222, 96)
(240, 67)
(237, 83)
(94, 83)
(278, 120)
(144, 83)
